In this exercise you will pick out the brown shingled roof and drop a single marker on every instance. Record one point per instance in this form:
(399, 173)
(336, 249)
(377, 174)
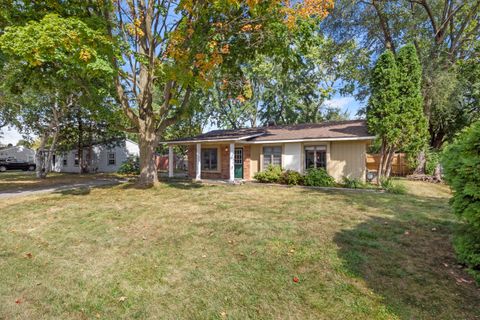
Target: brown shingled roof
(308, 131)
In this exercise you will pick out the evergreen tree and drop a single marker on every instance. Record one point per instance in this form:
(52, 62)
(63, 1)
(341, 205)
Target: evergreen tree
(383, 109)
(413, 123)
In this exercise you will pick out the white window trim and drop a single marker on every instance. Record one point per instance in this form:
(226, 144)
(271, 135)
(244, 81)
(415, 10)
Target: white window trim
(272, 146)
(219, 161)
(114, 158)
(304, 159)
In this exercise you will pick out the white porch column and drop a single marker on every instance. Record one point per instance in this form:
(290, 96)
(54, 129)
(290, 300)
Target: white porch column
(198, 158)
(170, 161)
(232, 162)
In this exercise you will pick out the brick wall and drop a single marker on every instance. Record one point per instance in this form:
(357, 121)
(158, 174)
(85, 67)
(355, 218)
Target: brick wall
(246, 162)
(224, 172)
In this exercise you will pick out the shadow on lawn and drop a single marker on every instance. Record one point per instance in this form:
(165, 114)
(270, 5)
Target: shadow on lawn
(174, 183)
(407, 258)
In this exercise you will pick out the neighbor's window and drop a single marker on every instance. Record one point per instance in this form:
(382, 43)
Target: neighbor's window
(65, 162)
(272, 156)
(316, 157)
(76, 161)
(111, 158)
(209, 159)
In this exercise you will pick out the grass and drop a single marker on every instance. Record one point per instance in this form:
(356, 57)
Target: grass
(14, 181)
(189, 251)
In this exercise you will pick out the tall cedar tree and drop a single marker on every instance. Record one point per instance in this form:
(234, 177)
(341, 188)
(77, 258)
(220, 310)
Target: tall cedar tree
(383, 109)
(413, 122)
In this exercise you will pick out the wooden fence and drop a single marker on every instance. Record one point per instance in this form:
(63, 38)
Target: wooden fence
(399, 164)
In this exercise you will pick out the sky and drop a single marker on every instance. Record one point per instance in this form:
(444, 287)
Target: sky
(10, 135)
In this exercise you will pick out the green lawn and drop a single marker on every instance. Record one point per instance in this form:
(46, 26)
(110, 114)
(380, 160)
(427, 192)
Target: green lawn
(187, 251)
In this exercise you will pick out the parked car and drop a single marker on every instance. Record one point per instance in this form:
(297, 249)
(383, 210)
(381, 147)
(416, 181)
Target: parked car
(16, 165)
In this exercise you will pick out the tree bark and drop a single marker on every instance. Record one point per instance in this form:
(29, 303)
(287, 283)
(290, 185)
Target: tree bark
(421, 161)
(40, 158)
(438, 173)
(148, 141)
(380, 163)
(388, 167)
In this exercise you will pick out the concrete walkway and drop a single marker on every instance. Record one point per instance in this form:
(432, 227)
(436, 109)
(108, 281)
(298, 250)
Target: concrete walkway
(60, 188)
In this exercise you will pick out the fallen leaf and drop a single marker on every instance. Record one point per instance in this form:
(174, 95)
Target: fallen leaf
(295, 279)
(121, 299)
(28, 255)
(445, 264)
(434, 229)
(18, 301)
(223, 314)
(406, 233)
(204, 256)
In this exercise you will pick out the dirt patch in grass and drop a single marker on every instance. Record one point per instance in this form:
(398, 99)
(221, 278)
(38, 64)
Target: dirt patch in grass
(211, 252)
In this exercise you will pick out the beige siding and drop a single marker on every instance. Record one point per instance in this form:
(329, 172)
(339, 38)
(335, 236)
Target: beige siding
(292, 156)
(254, 159)
(347, 159)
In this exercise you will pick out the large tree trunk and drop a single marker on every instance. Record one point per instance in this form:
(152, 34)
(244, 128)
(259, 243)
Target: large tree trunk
(40, 158)
(438, 173)
(421, 161)
(148, 142)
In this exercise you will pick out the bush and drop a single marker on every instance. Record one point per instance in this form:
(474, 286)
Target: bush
(461, 164)
(390, 186)
(130, 166)
(291, 177)
(318, 178)
(352, 183)
(271, 175)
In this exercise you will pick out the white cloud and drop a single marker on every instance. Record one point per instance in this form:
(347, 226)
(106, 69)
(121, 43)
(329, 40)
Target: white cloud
(346, 104)
(10, 135)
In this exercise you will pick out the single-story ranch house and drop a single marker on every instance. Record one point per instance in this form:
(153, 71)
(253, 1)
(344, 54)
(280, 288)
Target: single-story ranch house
(103, 157)
(337, 146)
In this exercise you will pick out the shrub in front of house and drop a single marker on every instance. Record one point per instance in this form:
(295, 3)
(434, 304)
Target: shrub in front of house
(271, 175)
(130, 166)
(353, 183)
(291, 178)
(318, 178)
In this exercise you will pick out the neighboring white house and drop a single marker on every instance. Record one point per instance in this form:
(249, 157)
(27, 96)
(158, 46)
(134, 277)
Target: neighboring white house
(105, 158)
(17, 154)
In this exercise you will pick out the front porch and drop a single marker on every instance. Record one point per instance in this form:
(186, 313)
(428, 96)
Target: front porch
(218, 161)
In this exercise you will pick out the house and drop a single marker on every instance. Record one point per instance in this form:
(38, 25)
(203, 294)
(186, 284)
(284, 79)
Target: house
(104, 157)
(17, 154)
(338, 146)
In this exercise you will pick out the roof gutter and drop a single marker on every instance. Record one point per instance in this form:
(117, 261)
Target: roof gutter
(213, 140)
(313, 140)
(242, 140)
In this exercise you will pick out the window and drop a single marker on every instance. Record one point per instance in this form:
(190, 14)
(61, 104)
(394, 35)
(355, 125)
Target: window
(76, 160)
(238, 158)
(272, 156)
(111, 158)
(209, 159)
(65, 161)
(316, 157)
